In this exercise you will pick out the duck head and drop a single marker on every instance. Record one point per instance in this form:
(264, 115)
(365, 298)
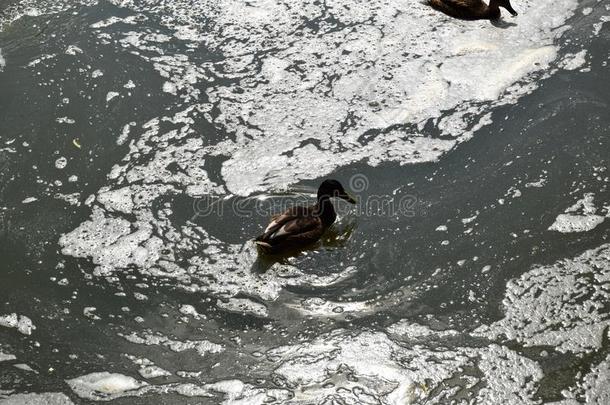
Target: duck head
(506, 5)
(332, 188)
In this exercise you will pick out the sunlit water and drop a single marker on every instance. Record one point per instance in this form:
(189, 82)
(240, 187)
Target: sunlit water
(144, 143)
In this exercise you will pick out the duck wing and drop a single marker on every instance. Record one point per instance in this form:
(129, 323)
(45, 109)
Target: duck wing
(288, 223)
(306, 236)
(297, 229)
(299, 226)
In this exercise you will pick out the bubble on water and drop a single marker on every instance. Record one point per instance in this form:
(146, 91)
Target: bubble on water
(61, 163)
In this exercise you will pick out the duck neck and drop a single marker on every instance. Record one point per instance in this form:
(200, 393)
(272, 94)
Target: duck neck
(325, 210)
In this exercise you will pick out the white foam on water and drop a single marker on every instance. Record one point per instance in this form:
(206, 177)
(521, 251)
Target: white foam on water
(47, 398)
(6, 356)
(412, 330)
(2, 61)
(226, 270)
(236, 393)
(73, 50)
(580, 217)
(597, 27)
(108, 239)
(369, 367)
(148, 369)
(566, 223)
(314, 306)
(593, 388)
(202, 347)
(368, 356)
(371, 65)
(89, 312)
(125, 133)
(72, 199)
(560, 305)
(573, 61)
(191, 311)
(65, 120)
(105, 386)
(244, 306)
(61, 163)
(285, 107)
(111, 95)
(34, 8)
(131, 20)
(222, 269)
(25, 367)
(20, 322)
(412, 364)
(389, 68)
(149, 372)
(512, 379)
(119, 200)
(293, 123)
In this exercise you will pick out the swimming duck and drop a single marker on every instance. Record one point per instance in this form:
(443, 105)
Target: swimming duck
(472, 9)
(301, 226)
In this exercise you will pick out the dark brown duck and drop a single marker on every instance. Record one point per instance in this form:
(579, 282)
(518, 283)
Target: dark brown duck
(301, 226)
(472, 9)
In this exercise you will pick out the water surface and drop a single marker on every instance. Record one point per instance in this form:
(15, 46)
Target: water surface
(141, 142)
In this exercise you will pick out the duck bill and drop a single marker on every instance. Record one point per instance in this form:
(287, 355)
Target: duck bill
(511, 10)
(350, 199)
